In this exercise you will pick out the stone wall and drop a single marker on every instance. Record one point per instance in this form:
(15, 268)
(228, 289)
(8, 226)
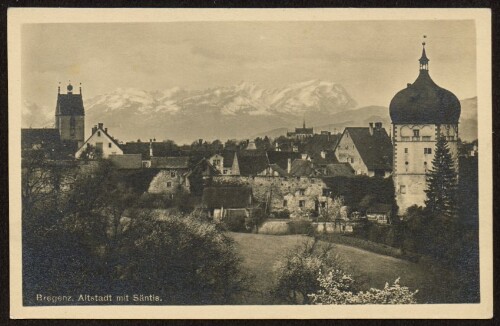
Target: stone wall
(166, 183)
(300, 194)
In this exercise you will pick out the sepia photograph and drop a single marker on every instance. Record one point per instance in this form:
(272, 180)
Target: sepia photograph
(182, 160)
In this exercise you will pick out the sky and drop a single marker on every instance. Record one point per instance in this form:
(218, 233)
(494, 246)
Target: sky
(371, 59)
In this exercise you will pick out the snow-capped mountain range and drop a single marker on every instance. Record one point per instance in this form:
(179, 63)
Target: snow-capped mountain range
(225, 112)
(245, 110)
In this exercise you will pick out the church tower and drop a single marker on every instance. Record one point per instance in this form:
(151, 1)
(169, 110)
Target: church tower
(420, 113)
(70, 117)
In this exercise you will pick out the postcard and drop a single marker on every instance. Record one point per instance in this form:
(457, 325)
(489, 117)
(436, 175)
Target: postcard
(250, 163)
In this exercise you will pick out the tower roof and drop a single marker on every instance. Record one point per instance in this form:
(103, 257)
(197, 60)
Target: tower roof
(69, 104)
(424, 101)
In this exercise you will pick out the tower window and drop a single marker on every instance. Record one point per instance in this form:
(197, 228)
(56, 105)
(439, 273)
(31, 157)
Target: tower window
(302, 203)
(416, 133)
(402, 189)
(285, 203)
(169, 184)
(406, 150)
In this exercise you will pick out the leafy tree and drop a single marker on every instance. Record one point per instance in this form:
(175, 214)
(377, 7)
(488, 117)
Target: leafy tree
(181, 258)
(296, 273)
(336, 288)
(442, 182)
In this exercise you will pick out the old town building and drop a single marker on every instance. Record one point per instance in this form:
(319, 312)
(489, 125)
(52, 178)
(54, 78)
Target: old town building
(420, 113)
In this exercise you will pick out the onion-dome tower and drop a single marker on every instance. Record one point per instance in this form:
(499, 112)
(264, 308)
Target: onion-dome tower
(419, 113)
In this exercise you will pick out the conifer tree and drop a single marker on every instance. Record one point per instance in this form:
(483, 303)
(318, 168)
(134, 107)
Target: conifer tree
(442, 182)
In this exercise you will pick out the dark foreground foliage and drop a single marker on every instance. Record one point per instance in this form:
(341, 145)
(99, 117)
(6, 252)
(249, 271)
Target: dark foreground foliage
(76, 240)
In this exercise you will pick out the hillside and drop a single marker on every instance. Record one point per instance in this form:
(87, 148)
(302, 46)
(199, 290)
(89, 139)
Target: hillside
(260, 252)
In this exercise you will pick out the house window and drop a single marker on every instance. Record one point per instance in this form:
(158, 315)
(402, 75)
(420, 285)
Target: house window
(169, 184)
(285, 203)
(427, 150)
(406, 150)
(302, 203)
(98, 134)
(402, 189)
(224, 171)
(172, 174)
(109, 145)
(323, 204)
(416, 133)
(216, 162)
(302, 192)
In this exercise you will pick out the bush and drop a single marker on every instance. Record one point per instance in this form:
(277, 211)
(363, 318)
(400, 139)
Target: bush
(336, 288)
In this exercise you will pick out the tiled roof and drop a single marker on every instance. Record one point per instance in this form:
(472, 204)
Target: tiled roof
(339, 170)
(227, 197)
(375, 150)
(303, 168)
(69, 104)
(252, 162)
(181, 162)
(127, 161)
(228, 158)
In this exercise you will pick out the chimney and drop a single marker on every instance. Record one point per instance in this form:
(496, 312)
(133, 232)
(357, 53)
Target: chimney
(106, 130)
(408, 85)
(100, 125)
(323, 154)
(150, 147)
(289, 165)
(94, 129)
(378, 126)
(371, 128)
(200, 141)
(304, 156)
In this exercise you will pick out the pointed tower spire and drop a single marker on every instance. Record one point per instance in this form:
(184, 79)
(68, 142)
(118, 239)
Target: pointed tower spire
(304, 123)
(424, 61)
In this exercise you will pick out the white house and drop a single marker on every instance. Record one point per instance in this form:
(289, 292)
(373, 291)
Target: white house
(100, 143)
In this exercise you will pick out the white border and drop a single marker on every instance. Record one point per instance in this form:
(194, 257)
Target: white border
(482, 18)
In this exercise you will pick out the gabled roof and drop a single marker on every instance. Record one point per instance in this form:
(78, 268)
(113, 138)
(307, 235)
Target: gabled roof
(181, 162)
(303, 168)
(207, 169)
(69, 104)
(375, 150)
(339, 170)
(227, 197)
(228, 158)
(252, 162)
(126, 161)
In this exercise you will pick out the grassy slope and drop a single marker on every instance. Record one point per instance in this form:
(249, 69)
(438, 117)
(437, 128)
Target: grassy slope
(261, 251)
